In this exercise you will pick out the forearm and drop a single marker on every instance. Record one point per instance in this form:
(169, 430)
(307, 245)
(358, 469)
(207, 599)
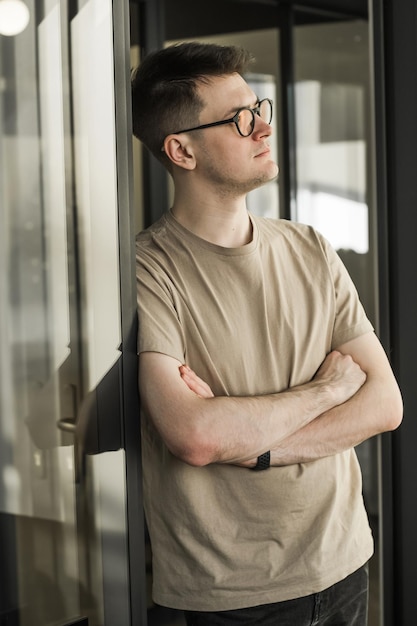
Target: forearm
(232, 430)
(335, 431)
(375, 408)
(332, 432)
(200, 429)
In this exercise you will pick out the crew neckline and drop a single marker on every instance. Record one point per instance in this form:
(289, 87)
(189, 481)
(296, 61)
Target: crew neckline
(248, 248)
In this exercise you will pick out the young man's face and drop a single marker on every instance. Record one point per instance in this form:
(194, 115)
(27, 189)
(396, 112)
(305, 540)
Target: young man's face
(233, 163)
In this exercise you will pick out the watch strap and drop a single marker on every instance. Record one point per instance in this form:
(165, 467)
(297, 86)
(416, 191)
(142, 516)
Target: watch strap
(263, 462)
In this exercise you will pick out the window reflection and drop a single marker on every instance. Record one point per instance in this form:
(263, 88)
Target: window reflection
(53, 184)
(333, 155)
(342, 221)
(331, 161)
(37, 491)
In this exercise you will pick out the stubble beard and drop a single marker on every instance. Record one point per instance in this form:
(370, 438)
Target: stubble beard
(227, 186)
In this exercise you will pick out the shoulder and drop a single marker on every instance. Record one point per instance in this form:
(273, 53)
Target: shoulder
(294, 234)
(154, 232)
(155, 245)
(283, 226)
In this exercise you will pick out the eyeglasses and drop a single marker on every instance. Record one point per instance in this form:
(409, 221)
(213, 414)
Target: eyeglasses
(244, 119)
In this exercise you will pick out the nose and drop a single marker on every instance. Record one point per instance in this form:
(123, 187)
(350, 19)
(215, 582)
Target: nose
(262, 128)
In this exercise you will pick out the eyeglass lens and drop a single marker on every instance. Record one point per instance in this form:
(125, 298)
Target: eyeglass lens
(246, 119)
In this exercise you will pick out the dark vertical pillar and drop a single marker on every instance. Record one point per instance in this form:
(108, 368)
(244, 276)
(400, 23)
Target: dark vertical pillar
(129, 361)
(287, 175)
(9, 595)
(398, 26)
(152, 36)
(386, 517)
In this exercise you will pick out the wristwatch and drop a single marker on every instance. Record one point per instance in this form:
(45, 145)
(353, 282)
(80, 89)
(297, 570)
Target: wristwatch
(263, 462)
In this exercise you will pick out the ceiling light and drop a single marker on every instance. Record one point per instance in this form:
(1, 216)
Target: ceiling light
(14, 17)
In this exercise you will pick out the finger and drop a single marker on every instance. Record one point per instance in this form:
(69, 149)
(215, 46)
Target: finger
(195, 383)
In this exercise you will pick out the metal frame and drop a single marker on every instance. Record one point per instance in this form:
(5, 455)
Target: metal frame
(381, 198)
(129, 361)
(288, 169)
(155, 187)
(398, 30)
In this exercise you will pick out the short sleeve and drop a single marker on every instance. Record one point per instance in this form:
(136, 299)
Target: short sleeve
(159, 326)
(350, 319)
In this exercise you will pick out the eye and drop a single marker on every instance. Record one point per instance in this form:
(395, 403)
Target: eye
(245, 121)
(265, 111)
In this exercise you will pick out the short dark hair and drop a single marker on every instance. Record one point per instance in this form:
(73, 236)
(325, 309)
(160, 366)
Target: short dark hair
(164, 87)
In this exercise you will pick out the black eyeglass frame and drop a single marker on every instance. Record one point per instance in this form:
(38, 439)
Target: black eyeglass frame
(255, 111)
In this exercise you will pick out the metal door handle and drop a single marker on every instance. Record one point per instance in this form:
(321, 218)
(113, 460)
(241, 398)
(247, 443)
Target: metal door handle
(67, 424)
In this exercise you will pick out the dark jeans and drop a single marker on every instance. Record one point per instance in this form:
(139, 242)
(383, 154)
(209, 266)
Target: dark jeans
(343, 604)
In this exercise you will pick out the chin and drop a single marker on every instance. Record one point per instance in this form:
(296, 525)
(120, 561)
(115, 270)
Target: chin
(274, 170)
(266, 178)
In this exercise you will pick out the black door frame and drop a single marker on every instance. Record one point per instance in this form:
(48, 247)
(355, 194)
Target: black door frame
(129, 360)
(395, 67)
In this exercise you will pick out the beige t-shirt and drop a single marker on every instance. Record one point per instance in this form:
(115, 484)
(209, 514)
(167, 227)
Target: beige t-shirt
(250, 321)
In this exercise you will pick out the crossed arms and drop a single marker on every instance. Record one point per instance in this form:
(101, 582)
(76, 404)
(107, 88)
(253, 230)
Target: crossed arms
(353, 396)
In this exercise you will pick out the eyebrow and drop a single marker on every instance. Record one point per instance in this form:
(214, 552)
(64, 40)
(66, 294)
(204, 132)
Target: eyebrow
(246, 106)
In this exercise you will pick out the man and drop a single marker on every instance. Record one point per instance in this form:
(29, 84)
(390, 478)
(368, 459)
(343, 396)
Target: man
(287, 375)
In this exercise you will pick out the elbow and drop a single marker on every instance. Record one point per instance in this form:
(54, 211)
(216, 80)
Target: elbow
(195, 458)
(396, 419)
(394, 415)
(194, 449)
(186, 437)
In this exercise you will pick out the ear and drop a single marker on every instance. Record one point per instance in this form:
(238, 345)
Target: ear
(180, 152)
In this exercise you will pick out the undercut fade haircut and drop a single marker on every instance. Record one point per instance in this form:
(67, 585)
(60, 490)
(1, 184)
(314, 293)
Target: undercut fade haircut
(164, 88)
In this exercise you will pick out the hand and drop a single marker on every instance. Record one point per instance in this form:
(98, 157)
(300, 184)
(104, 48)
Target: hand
(342, 373)
(195, 383)
(202, 389)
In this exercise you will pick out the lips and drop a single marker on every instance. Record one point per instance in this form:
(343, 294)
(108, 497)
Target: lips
(265, 152)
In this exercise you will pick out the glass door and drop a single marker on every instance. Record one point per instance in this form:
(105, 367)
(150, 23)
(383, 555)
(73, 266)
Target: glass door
(39, 382)
(63, 488)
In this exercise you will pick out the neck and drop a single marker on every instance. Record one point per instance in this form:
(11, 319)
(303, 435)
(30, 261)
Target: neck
(223, 222)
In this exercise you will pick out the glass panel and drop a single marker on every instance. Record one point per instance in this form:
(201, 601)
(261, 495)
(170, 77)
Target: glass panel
(95, 171)
(102, 499)
(333, 152)
(53, 181)
(37, 490)
(63, 536)
(331, 68)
